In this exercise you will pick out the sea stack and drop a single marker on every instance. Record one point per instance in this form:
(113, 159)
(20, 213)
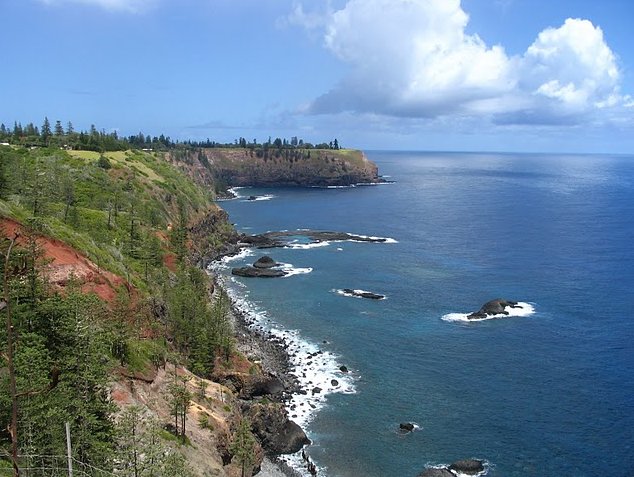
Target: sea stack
(492, 308)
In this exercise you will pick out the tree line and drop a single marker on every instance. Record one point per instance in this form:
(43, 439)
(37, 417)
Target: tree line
(65, 136)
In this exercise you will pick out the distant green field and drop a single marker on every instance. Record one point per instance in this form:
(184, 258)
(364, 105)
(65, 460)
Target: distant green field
(135, 160)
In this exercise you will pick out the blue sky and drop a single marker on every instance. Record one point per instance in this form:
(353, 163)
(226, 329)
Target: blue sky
(492, 75)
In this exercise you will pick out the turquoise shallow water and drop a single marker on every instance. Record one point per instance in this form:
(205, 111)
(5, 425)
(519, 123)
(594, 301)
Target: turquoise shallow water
(543, 395)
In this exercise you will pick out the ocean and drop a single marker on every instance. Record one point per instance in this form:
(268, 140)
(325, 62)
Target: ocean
(547, 392)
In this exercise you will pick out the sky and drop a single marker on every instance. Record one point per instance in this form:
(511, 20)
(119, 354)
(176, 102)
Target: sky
(451, 75)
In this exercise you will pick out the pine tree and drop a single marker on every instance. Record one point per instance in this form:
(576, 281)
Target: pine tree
(46, 131)
(243, 447)
(59, 130)
(68, 191)
(60, 373)
(180, 401)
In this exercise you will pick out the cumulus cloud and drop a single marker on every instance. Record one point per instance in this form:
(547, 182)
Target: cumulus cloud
(131, 6)
(413, 58)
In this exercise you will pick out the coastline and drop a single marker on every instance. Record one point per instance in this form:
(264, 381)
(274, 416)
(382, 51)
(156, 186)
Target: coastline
(270, 353)
(308, 370)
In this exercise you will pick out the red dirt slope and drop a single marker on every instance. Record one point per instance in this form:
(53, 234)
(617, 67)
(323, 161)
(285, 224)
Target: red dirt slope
(65, 261)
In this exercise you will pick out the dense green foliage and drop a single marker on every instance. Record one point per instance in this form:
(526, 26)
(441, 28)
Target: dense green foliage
(126, 211)
(200, 332)
(111, 214)
(243, 447)
(61, 365)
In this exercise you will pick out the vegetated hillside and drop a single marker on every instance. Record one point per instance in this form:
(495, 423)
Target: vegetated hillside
(128, 365)
(270, 166)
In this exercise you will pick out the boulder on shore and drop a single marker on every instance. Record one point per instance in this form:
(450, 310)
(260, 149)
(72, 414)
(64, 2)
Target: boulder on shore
(265, 262)
(493, 307)
(257, 272)
(278, 434)
(261, 385)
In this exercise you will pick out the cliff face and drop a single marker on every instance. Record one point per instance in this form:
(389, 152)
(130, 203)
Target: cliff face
(314, 167)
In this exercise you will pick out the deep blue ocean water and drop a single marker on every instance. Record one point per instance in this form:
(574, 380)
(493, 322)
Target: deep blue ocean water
(548, 394)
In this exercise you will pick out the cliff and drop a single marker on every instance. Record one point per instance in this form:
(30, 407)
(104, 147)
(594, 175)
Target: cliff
(103, 273)
(279, 167)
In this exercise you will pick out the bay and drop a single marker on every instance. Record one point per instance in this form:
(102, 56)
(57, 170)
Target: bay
(547, 394)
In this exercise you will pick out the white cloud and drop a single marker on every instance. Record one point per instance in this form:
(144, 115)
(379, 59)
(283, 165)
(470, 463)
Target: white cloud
(131, 6)
(413, 58)
(572, 64)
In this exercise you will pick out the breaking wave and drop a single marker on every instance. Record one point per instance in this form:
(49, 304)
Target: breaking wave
(525, 309)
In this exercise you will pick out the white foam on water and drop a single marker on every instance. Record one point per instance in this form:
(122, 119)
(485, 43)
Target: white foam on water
(234, 191)
(525, 309)
(244, 253)
(297, 462)
(292, 270)
(312, 366)
(258, 198)
(306, 246)
(356, 293)
(378, 239)
(486, 465)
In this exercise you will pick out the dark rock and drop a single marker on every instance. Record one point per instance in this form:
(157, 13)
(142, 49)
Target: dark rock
(316, 390)
(278, 434)
(334, 382)
(406, 427)
(468, 466)
(234, 381)
(363, 294)
(261, 385)
(260, 241)
(343, 369)
(432, 472)
(257, 272)
(265, 262)
(282, 238)
(493, 307)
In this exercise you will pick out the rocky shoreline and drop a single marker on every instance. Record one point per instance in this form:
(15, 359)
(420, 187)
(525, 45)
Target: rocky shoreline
(269, 353)
(277, 355)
